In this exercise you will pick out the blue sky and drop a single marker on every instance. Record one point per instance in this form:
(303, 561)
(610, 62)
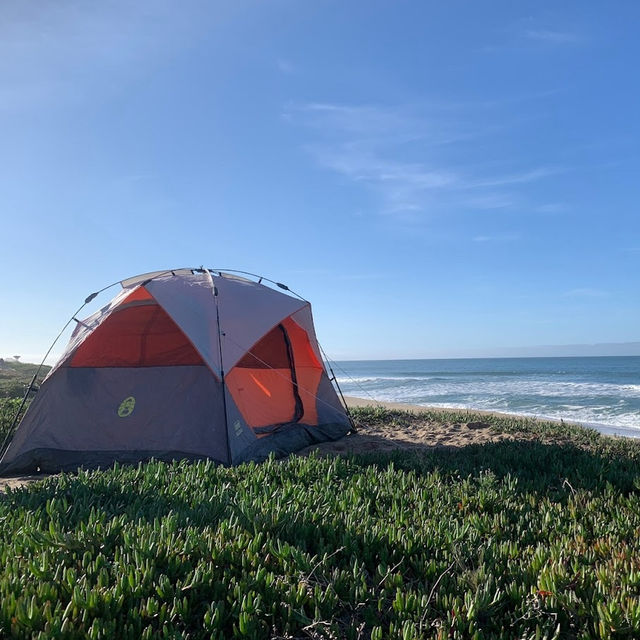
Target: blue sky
(438, 178)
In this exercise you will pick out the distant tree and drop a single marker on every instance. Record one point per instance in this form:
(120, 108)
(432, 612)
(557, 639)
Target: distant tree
(17, 358)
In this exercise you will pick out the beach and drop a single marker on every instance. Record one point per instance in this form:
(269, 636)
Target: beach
(423, 433)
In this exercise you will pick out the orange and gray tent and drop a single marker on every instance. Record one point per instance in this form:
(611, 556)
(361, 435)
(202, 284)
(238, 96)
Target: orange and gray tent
(182, 364)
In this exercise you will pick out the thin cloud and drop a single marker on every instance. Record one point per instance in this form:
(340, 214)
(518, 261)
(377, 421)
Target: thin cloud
(50, 51)
(553, 37)
(491, 201)
(518, 178)
(552, 207)
(524, 34)
(371, 146)
(403, 186)
(500, 237)
(585, 292)
(285, 66)
(360, 123)
(364, 165)
(387, 124)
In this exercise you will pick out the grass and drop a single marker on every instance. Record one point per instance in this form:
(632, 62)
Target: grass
(8, 410)
(533, 538)
(15, 377)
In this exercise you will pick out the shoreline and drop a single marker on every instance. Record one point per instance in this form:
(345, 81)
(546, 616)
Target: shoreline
(604, 429)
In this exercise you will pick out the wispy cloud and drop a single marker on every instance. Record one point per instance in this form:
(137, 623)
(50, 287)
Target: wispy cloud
(394, 124)
(285, 66)
(553, 37)
(530, 33)
(491, 201)
(409, 158)
(403, 186)
(552, 207)
(585, 292)
(67, 51)
(367, 120)
(518, 178)
(500, 237)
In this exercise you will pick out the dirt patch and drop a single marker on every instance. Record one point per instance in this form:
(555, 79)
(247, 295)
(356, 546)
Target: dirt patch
(18, 481)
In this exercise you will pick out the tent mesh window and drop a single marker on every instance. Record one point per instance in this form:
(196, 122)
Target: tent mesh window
(140, 334)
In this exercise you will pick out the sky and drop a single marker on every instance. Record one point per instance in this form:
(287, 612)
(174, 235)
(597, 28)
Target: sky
(439, 179)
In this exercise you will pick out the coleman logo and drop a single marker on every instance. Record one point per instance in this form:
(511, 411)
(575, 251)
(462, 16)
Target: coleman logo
(126, 407)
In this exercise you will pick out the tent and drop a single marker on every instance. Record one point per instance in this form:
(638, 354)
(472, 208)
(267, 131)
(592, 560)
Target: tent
(182, 364)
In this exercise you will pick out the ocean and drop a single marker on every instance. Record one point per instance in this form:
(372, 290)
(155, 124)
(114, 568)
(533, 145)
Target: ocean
(599, 392)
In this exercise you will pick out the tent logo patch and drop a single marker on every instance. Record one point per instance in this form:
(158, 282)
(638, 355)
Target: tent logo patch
(126, 407)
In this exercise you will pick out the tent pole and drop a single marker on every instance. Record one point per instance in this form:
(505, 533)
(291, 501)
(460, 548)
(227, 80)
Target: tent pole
(214, 290)
(7, 441)
(9, 437)
(11, 429)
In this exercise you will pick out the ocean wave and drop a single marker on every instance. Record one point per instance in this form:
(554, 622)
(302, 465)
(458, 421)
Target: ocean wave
(588, 391)
(587, 416)
(604, 403)
(382, 379)
(438, 386)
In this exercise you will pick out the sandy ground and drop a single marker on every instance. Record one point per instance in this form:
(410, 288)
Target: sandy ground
(422, 435)
(17, 482)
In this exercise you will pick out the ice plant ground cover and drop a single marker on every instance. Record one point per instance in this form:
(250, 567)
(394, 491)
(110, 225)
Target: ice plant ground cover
(534, 538)
(15, 377)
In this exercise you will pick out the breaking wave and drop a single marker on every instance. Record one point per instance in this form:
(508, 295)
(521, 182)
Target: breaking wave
(574, 391)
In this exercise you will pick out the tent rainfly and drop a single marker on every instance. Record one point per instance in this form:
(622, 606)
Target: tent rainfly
(182, 364)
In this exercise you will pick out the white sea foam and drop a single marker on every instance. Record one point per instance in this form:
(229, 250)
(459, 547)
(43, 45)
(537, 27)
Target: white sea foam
(595, 417)
(554, 389)
(376, 379)
(590, 402)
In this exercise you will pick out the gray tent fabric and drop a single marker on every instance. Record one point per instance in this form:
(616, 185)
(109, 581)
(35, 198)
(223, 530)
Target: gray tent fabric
(189, 300)
(145, 377)
(291, 437)
(151, 409)
(247, 311)
(239, 434)
(328, 406)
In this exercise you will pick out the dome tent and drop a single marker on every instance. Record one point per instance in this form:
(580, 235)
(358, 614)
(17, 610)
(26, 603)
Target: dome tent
(182, 364)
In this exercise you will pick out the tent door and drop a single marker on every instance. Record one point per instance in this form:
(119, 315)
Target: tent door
(264, 382)
(294, 380)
